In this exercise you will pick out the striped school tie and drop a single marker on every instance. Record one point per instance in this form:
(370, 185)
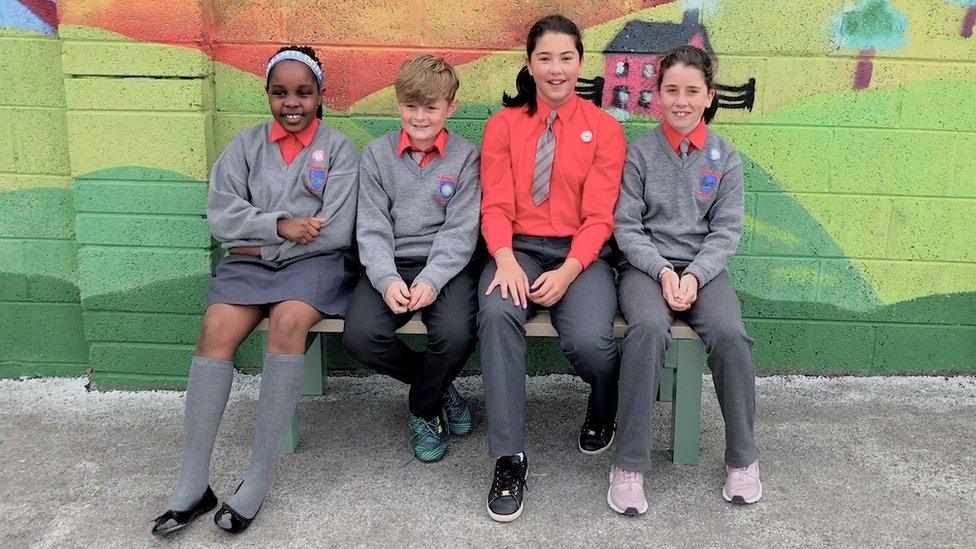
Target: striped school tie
(544, 153)
(684, 148)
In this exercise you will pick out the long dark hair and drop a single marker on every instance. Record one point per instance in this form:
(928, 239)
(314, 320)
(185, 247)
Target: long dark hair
(524, 83)
(309, 51)
(698, 58)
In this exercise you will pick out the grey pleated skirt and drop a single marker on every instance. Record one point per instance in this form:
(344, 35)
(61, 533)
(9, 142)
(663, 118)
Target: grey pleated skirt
(324, 281)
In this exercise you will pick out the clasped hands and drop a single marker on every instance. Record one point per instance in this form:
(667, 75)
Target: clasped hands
(301, 230)
(401, 299)
(680, 293)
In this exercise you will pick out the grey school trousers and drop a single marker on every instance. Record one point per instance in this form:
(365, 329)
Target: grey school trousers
(584, 320)
(717, 318)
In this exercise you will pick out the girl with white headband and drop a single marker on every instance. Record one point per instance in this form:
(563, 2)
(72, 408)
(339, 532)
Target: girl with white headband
(282, 202)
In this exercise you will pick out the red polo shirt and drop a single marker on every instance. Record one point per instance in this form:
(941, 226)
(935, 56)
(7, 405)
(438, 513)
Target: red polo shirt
(290, 144)
(697, 137)
(586, 172)
(438, 148)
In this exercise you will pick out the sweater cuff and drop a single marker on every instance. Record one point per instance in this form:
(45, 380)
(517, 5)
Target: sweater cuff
(652, 264)
(384, 283)
(270, 226)
(699, 274)
(427, 280)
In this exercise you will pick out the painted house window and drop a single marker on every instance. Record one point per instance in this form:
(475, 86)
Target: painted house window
(645, 98)
(622, 68)
(621, 97)
(648, 70)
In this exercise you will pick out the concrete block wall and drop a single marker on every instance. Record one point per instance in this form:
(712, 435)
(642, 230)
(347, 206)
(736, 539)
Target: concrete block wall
(857, 254)
(40, 313)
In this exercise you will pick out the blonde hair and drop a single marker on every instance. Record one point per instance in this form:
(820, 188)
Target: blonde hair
(426, 77)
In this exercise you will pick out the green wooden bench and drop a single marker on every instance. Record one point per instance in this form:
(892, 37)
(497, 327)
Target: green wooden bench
(681, 380)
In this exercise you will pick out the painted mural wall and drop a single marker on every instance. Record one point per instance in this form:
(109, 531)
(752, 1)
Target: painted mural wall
(856, 120)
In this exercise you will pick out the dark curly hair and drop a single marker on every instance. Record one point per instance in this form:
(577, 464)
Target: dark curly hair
(307, 50)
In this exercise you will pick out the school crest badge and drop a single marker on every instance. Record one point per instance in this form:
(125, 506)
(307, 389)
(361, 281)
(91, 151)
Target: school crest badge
(446, 187)
(317, 177)
(707, 184)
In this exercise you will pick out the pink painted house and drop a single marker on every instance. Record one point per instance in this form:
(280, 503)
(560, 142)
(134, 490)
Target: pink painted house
(632, 61)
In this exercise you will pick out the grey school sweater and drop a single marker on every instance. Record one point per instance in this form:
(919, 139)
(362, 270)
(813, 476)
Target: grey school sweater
(409, 211)
(676, 212)
(251, 188)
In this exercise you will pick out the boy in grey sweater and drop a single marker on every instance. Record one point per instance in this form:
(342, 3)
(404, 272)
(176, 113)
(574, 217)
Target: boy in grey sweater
(417, 229)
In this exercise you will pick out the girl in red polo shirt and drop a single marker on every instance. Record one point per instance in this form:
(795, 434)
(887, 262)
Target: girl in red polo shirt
(282, 202)
(679, 221)
(550, 169)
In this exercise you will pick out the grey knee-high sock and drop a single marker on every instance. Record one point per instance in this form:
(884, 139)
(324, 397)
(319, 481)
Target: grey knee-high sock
(206, 397)
(281, 381)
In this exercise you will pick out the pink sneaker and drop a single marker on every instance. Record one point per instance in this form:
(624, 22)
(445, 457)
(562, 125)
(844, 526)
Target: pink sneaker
(742, 484)
(626, 493)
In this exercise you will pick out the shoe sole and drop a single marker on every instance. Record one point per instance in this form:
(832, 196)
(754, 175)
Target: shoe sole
(739, 500)
(505, 518)
(179, 527)
(432, 456)
(628, 512)
(595, 452)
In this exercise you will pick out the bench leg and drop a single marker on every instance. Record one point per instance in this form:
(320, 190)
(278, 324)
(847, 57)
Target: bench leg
(665, 391)
(686, 410)
(291, 439)
(313, 377)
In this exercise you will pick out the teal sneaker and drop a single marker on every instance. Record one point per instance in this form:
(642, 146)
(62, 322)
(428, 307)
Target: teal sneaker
(457, 412)
(429, 440)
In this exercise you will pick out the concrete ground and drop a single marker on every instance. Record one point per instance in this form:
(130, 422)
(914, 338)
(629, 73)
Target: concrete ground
(847, 462)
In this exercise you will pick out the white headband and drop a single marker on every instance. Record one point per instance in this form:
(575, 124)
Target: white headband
(296, 56)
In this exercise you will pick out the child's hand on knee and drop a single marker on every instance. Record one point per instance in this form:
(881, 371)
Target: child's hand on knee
(510, 278)
(397, 297)
(302, 230)
(421, 295)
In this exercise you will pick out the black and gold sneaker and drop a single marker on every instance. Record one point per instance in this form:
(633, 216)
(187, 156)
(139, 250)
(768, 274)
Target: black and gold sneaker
(506, 497)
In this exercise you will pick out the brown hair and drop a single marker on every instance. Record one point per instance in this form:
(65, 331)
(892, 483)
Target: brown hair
(698, 58)
(426, 77)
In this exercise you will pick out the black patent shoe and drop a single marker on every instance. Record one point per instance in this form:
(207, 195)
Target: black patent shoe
(229, 520)
(507, 493)
(171, 521)
(595, 437)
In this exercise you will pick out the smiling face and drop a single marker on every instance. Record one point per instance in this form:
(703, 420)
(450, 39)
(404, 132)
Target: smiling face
(555, 66)
(684, 96)
(293, 94)
(423, 120)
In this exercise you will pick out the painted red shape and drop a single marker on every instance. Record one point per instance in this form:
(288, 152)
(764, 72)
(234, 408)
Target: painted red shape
(969, 20)
(45, 10)
(358, 61)
(865, 68)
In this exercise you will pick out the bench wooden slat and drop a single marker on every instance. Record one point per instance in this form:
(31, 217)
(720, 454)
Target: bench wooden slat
(538, 326)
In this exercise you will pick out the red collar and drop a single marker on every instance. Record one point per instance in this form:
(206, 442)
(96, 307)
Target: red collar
(440, 143)
(565, 111)
(697, 137)
(305, 137)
